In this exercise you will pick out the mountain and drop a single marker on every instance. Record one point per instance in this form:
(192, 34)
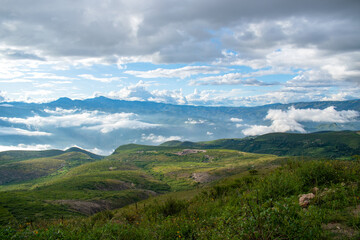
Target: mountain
(101, 124)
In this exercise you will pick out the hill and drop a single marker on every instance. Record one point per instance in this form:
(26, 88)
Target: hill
(131, 173)
(319, 144)
(18, 155)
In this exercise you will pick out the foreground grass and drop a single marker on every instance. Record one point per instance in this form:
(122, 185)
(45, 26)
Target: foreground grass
(251, 206)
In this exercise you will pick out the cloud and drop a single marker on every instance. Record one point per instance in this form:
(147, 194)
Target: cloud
(103, 79)
(19, 131)
(229, 79)
(158, 138)
(91, 120)
(182, 73)
(304, 38)
(284, 121)
(184, 32)
(194, 121)
(61, 111)
(236, 120)
(23, 147)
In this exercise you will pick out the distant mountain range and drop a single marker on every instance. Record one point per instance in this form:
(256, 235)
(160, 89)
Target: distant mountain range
(102, 124)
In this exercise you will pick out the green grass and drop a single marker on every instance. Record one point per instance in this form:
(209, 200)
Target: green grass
(256, 205)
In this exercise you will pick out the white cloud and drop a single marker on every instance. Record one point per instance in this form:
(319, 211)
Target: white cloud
(61, 111)
(194, 121)
(23, 147)
(92, 120)
(45, 75)
(229, 79)
(284, 121)
(19, 131)
(182, 73)
(103, 79)
(209, 133)
(236, 119)
(17, 80)
(158, 138)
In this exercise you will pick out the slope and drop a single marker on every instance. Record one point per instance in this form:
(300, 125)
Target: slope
(132, 173)
(320, 144)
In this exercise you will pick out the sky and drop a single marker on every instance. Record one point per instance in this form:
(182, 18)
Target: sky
(198, 52)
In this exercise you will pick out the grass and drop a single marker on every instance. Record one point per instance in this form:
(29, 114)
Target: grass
(257, 205)
(157, 194)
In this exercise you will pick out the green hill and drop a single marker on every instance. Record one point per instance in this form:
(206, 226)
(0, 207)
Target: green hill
(130, 174)
(320, 144)
(32, 169)
(19, 155)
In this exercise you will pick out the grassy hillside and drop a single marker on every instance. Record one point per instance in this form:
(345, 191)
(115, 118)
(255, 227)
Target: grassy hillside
(321, 144)
(132, 173)
(263, 205)
(206, 190)
(36, 170)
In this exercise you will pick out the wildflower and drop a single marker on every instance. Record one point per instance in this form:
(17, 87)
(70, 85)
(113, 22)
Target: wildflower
(36, 232)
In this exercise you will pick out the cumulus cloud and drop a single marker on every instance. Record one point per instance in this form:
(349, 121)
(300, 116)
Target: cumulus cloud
(91, 120)
(19, 131)
(158, 138)
(290, 120)
(319, 44)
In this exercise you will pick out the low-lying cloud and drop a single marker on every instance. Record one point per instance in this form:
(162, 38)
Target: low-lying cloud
(91, 120)
(290, 120)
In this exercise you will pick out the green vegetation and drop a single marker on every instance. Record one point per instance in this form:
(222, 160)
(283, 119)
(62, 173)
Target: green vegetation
(207, 190)
(257, 205)
(321, 144)
(76, 187)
